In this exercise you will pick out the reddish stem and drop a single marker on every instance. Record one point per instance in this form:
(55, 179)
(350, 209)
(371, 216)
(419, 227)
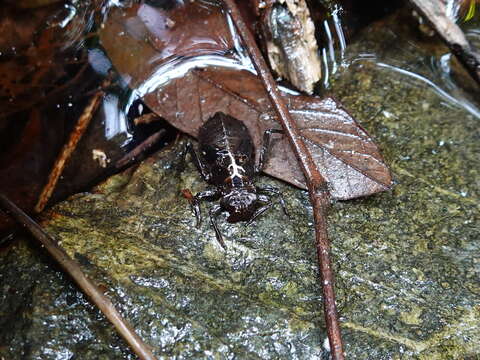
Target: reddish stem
(140, 150)
(317, 186)
(68, 150)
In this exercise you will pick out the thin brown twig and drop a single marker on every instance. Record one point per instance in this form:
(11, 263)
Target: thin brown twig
(72, 268)
(146, 119)
(68, 150)
(140, 149)
(317, 186)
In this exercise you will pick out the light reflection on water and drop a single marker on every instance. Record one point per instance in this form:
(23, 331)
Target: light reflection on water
(115, 119)
(455, 100)
(179, 66)
(407, 59)
(333, 53)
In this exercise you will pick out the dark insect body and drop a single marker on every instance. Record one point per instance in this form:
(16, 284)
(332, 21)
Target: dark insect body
(227, 161)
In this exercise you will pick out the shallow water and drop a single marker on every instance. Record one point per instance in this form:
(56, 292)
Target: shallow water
(406, 261)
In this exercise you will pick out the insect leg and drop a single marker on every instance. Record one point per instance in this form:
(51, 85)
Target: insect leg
(267, 189)
(214, 212)
(207, 195)
(263, 158)
(262, 209)
(196, 160)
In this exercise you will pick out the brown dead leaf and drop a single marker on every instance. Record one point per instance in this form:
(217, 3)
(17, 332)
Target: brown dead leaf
(345, 154)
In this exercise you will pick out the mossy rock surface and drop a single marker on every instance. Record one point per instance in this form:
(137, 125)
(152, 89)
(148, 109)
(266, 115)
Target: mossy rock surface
(406, 261)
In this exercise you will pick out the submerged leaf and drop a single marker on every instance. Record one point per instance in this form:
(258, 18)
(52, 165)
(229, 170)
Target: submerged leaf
(153, 35)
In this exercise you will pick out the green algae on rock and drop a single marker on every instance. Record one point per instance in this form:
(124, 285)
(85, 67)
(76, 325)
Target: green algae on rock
(407, 262)
(189, 298)
(183, 292)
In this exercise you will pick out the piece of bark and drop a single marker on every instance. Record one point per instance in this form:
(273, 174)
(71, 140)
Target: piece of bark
(291, 46)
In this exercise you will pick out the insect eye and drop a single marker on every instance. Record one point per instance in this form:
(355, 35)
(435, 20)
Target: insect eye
(223, 161)
(242, 159)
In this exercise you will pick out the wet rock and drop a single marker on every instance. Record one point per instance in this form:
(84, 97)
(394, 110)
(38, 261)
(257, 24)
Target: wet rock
(189, 298)
(406, 261)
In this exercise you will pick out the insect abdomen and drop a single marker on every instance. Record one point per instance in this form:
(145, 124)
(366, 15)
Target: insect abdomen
(224, 143)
